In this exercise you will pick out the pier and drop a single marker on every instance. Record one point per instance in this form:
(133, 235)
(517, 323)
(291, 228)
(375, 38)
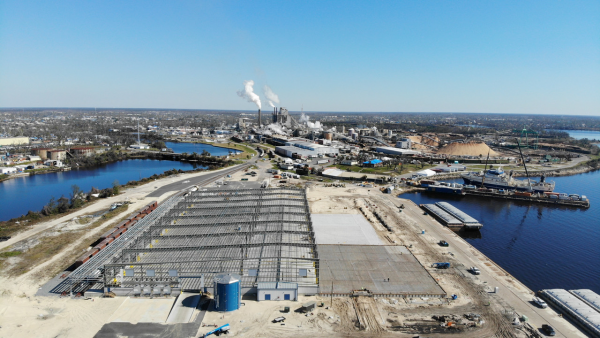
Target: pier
(451, 216)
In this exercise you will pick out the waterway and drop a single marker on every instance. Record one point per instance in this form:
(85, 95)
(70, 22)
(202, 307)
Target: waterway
(21, 194)
(198, 148)
(581, 134)
(542, 246)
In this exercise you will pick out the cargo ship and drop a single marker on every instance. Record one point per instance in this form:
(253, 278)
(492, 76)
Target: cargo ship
(498, 179)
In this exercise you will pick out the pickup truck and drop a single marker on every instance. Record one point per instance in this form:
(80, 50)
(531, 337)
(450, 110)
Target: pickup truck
(474, 270)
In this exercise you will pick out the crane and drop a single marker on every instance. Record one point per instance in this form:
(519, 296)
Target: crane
(526, 133)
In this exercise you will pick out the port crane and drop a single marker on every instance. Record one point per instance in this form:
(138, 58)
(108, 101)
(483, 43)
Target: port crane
(485, 169)
(525, 166)
(525, 133)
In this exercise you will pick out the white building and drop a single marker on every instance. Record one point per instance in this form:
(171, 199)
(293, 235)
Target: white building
(34, 158)
(425, 173)
(8, 170)
(277, 291)
(396, 151)
(54, 163)
(140, 146)
(404, 143)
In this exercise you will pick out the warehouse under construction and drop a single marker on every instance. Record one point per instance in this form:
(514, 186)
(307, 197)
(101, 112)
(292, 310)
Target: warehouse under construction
(260, 235)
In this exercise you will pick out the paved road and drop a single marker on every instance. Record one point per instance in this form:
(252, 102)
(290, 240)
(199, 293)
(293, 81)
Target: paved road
(199, 180)
(519, 300)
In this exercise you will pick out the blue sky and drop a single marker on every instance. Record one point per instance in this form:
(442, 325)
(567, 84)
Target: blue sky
(412, 56)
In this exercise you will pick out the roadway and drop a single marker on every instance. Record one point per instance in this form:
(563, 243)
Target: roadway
(200, 180)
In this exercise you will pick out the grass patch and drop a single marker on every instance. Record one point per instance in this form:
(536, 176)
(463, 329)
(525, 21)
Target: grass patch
(8, 254)
(52, 245)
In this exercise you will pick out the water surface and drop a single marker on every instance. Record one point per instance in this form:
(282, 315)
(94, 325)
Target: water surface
(581, 134)
(542, 246)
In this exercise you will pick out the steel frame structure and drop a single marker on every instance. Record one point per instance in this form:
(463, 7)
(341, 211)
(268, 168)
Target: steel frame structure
(264, 235)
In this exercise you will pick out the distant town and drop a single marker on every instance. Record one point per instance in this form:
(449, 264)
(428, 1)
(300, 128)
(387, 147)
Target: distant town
(210, 222)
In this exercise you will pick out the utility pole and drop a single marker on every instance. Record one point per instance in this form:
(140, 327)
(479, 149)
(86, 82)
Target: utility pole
(331, 295)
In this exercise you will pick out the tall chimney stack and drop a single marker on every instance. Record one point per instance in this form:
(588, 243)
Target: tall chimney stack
(259, 119)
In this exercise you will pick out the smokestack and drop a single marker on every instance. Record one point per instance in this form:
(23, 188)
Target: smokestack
(259, 119)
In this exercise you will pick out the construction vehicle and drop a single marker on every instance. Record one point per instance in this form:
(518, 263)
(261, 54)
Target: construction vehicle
(218, 331)
(443, 265)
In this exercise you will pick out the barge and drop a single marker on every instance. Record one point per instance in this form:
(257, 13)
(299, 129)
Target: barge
(451, 216)
(575, 304)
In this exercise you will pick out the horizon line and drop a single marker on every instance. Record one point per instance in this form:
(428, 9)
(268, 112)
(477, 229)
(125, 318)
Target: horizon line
(294, 111)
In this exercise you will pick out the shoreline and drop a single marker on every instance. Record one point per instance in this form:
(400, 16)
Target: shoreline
(138, 183)
(97, 203)
(214, 144)
(133, 156)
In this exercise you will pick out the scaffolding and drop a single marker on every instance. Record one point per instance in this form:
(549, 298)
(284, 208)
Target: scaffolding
(264, 235)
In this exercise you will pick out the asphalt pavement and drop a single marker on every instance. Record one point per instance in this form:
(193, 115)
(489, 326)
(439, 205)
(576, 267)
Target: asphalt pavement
(198, 180)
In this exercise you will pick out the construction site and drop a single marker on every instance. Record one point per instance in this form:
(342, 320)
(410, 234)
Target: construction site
(308, 260)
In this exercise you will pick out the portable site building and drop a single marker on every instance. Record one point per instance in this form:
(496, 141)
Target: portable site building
(277, 291)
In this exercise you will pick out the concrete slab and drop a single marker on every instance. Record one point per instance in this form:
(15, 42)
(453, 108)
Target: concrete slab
(143, 310)
(353, 267)
(184, 308)
(350, 229)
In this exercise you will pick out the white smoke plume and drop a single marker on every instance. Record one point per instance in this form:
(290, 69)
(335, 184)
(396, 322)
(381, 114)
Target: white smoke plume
(276, 128)
(271, 97)
(248, 93)
(306, 120)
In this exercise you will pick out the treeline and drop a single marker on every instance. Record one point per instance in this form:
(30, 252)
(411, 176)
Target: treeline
(77, 198)
(115, 155)
(112, 155)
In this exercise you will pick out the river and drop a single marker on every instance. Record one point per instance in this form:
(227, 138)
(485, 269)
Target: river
(542, 246)
(21, 194)
(581, 134)
(198, 148)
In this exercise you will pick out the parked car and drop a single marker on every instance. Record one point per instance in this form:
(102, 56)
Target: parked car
(443, 243)
(540, 302)
(474, 270)
(549, 330)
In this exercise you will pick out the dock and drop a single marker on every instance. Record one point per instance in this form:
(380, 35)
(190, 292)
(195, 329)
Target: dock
(451, 216)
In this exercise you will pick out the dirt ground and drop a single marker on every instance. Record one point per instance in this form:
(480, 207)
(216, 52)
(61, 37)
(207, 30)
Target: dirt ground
(493, 313)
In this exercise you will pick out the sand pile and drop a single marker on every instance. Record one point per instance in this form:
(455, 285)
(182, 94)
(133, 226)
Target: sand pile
(430, 141)
(469, 149)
